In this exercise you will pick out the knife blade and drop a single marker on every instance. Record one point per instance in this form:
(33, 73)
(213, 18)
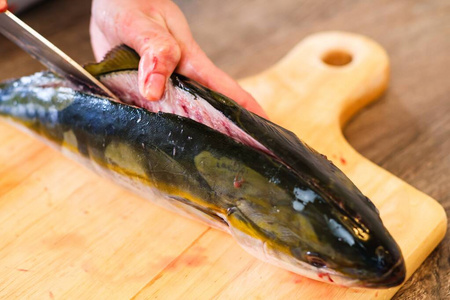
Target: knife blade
(48, 54)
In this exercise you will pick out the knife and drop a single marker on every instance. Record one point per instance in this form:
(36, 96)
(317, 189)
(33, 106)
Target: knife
(48, 54)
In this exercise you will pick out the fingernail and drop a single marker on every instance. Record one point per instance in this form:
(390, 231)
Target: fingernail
(148, 62)
(151, 85)
(154, 86)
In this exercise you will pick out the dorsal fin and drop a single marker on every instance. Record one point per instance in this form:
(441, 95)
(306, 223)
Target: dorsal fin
(120, 58)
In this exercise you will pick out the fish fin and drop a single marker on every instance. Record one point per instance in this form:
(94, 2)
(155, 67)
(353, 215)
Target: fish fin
(120, 58)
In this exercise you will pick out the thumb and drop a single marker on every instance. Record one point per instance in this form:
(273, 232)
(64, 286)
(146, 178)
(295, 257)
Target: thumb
(159, 51)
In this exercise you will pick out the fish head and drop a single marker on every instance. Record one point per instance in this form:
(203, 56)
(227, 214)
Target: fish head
(323, 232)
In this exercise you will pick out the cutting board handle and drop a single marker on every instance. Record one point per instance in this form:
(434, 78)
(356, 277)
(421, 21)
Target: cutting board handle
(335, 73)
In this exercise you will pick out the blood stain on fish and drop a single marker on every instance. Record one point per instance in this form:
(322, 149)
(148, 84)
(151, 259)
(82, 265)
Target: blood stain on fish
(325, 275)
(238, 181)
(186, 111)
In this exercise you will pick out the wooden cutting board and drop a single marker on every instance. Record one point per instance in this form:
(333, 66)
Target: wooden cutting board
(68, 234)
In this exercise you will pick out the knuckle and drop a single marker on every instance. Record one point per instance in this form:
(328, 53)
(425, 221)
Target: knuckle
(168, 49)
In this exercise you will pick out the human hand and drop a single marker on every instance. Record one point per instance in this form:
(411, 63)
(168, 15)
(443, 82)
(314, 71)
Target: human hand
(158, 31)
(3, 6)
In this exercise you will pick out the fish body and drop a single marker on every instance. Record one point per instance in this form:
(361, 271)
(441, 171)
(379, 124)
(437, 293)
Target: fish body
(199, 153)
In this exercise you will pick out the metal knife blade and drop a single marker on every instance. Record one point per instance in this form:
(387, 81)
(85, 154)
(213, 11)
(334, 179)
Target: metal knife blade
(48, 54)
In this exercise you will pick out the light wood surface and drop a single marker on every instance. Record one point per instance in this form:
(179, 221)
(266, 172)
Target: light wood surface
(66, 233)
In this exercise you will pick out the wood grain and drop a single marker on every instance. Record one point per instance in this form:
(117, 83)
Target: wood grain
(407, 132)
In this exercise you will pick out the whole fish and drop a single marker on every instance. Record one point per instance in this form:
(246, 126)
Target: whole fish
(199, 153)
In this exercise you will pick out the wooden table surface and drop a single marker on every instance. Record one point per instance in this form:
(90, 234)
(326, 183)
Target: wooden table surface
(407, 132)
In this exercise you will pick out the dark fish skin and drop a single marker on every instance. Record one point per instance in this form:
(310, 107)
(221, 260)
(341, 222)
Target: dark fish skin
(291, 207)
(302, 159)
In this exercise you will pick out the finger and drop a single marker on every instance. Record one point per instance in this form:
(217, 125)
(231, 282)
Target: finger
(148, 35)
(3, 6)
(155, 67)
(159, 51)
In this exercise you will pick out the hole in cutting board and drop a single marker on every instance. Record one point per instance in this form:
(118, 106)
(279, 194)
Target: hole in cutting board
(337, 58)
